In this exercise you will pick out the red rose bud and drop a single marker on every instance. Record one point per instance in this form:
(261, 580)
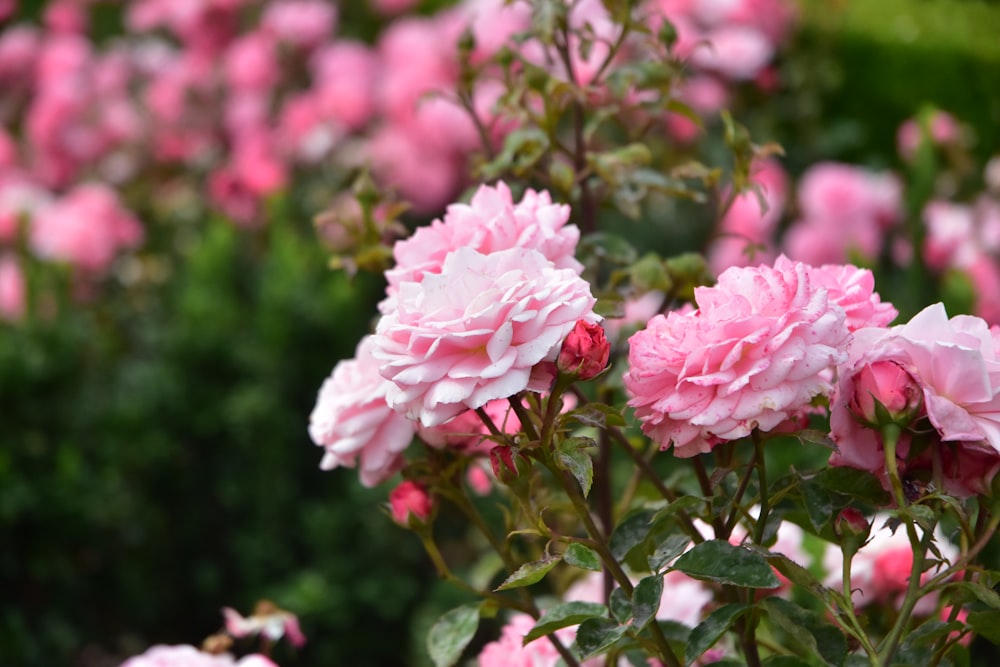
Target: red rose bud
(409, 501)
(502, 462)
(884, 392)
(585, 351)
(851, 529)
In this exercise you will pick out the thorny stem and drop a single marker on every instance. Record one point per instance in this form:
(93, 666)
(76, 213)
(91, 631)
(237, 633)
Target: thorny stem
(610, 562)
(708, 492)
(646, 469)
(735, 513)
(445, 573)
(758, 444)
(848, 610)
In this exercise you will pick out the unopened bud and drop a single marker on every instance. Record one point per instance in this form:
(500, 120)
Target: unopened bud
(585, 351)
(503, 464)
(885, 393)
(410, 502)
(851, 529)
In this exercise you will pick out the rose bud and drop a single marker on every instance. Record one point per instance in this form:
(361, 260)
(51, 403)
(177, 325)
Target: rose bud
(851, 529)
(884, 393)
(502, 462)
(410, 501)
(585, 351)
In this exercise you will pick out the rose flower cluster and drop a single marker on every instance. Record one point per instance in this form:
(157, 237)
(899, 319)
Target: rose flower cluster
(476, 310)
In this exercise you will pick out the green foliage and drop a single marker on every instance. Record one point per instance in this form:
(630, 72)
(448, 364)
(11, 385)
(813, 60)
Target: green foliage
(156, 466)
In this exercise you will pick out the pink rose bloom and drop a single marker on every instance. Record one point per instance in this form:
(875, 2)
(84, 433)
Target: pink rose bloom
(189, 656)
(251, 63)
(66, 16)
(13, 289)
(751, 220)
(19, 48)
(354, 424)
(476, 331)
(985, 276)
(467, 432)
(511, 651)
(416, 58)
(844, 209)
(426, 177)
(759, 347)
(955, 364)
(304, 130)
(853, 289)
(738, 53)
(344, 75)
(951, 240)
(489, 223)
(302, 23)
(410, 499)
(881, 569)
(86, 228)
(833, 191)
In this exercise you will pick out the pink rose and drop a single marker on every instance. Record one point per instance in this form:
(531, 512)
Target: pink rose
(853, 289)
(467, 432)
(189, 656)
(477, 331)
(885, 385)
(489, 223)
(303, 23)
(344, 75)
(86, 228)
(353, 422)
(510, 648)
(751, 220)
(759, 347)
(585, 351)
(956, 365)
(410, 499)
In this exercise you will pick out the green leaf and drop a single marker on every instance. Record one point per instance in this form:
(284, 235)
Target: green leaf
(785, 661)
(929, 631)
(858, 484)
(631, 532)
(646, 600)
(573, 456)
(564, 615)
(582, 557)
(711, 630)
(797, 574)
(620, 605)
(597, 635)
(597, 415)
(806, 629)
(451, 633)
(529, 573)
(718, 560)
(667, 550)
(986, 624)
(972, 591)
(819, 505)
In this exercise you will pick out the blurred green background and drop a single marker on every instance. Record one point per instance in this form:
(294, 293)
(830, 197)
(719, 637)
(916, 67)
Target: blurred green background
(155, 464)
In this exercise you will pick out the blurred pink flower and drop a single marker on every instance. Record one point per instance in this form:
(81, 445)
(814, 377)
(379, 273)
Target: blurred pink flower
(354, 424)
(467, 432)
(305, 24)
(844, 209)
(13, 289)
(943, 129)
(737, 52)
(87, 227)
(267, 620)
(511, 651)
(476, 331)
(344, 76)
(956, 365)
(759, 347)
(189, 656)
(392, 7)
(751, 220)
(489, 223)
(881, 569)
(251, 62)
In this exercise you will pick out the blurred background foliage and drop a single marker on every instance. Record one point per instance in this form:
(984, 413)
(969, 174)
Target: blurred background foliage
(155, 464)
